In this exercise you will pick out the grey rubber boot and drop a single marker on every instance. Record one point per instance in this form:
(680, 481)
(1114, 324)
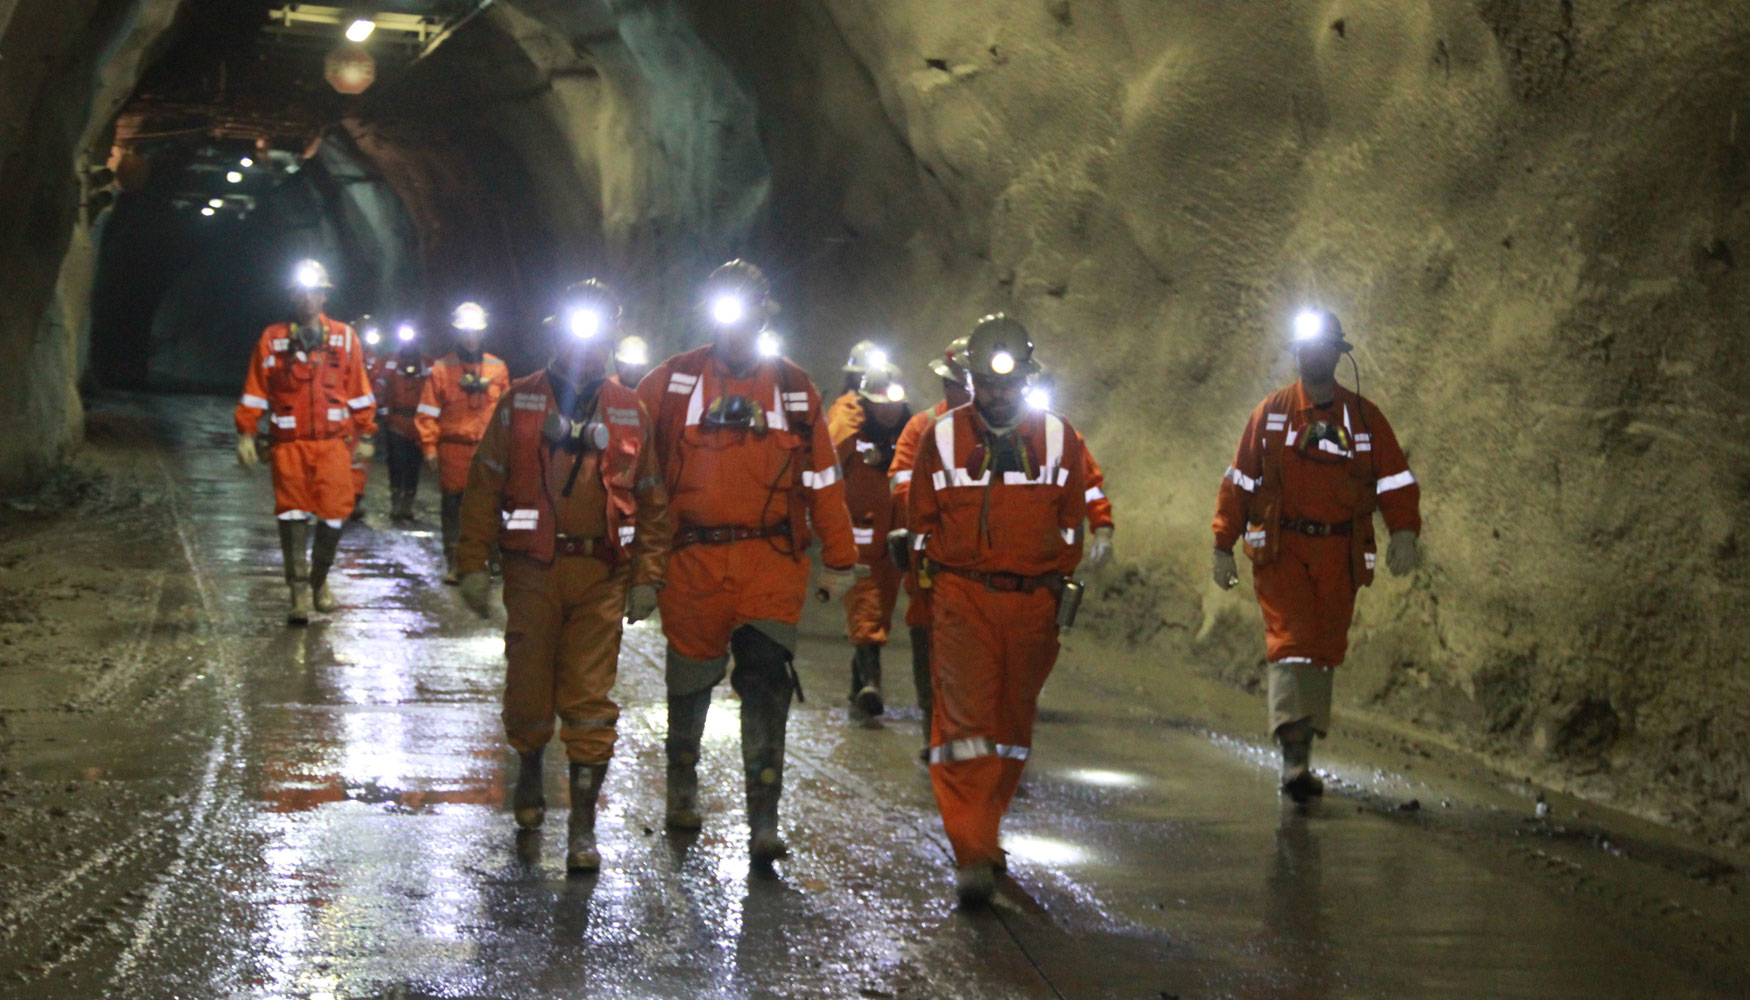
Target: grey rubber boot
(1298, 780)
(686, 727)
(526, 797)
(975, 884)
(866, 680)
(581, 854)
(322, 555)
(765, 713)
(294, 535)
(920, 677)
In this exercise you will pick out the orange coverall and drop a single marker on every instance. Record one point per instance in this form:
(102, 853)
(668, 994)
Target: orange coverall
(1307, 594)
(361, 467)
(452, 418)
(744, 480)
(562, 635)
(317, 402)
(1001, 530)
(869, 604)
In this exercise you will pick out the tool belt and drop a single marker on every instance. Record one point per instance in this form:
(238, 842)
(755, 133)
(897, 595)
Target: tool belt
(1316, 529)
(1010, 583)
(571, 545)
(728, 534)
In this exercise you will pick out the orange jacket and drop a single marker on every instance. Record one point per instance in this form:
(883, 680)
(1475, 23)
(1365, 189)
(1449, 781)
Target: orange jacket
(451, 413)
(743, 478)
(905, 457)
(967, 514)
(865, 453)
(517, 472)
(400, 393)
(309, 397)
(1330, 489)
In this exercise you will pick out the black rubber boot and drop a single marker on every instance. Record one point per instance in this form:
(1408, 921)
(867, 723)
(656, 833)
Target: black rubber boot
(762, 678)
(686, 727)
(920, 678)
(321, 559)
(294, 535)
(866, 680)
(452, 532)
(1298, 780)
(581, 854)
(526, 798)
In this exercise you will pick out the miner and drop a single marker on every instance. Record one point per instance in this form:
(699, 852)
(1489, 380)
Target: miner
(308, 377)
(565, 483)
(751, 476)
(996, 503)
(454, 406)
(1314, 463)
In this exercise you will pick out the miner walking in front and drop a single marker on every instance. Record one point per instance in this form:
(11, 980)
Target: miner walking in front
(565, 482)
(1314, 463)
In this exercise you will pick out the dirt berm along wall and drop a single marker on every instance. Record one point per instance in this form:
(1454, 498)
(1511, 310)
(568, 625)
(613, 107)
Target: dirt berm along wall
(1526, 212)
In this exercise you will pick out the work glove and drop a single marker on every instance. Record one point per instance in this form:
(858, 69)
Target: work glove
(365, 450)
(1226, 573)
(899, 548)
(834, 584)
(1099, 551)
(246, 456)
(431, 461)
(640, 602)
(477, 592)
(1400, 555)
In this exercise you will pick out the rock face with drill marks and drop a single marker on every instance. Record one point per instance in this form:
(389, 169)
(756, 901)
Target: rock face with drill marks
(1527, 213)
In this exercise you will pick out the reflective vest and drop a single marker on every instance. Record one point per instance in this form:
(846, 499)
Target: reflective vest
(306, 391)
(401, 391)
(1009, 521)
(530, 525)
(1262, 540)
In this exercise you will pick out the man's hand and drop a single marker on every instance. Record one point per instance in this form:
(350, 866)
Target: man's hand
(834, 584)
(1099, 551)
(1225, 572)
(477, 592)
(899, 548)
(365, 450)
(431, 461)
(640, 602)
(246, 456)
(1400, 555)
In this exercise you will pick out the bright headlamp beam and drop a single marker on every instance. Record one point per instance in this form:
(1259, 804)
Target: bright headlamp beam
(373, 338)
(728, 310)
(634, 354)
(1039, 399)
(360, 29)
(895, 393)
(406, 333)
(1308, 325)
(308, 277)
(1002, 362)
(768, 345)
(877, 358)
(584, 323)
(470, 317)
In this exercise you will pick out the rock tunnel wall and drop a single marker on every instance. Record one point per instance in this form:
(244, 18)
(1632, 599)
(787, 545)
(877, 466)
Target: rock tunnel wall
(1526, 211)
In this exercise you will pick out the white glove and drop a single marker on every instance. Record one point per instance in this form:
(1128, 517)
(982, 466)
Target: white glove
(246, 456)
(365, 450)
(476, 592)
(834, 584)
(1099, 551)
(640, 602)
(1225, 572)
(1400, 555)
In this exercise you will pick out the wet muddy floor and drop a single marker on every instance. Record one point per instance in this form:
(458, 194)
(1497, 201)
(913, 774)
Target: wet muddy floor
(232, 808)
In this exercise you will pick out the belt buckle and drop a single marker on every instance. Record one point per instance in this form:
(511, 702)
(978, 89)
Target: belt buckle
(1005, 582)
(717, 536)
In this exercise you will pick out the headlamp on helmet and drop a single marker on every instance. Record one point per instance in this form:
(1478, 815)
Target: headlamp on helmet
(1039, 397)
(768, 345)
(372, 337)
(883, 383)
(470, 317)
(1312, 325)
(999, 346)
(633, 351)
(728, 310)
(310, 276)
(406, 333)
(584, 322)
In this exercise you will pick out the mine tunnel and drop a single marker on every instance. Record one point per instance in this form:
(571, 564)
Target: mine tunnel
(1170, 499)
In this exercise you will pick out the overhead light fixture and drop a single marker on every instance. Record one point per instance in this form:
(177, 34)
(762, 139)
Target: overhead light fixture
(217, 203)
(360, 29)
(246, 161)
(234, 177)
(207, 210)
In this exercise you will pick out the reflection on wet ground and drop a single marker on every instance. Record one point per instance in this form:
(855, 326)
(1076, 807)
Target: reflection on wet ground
(333, 824)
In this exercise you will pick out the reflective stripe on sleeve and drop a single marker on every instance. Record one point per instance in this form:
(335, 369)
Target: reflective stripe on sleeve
(254, 402)
(1397, 482)
(360, 402)
(1242, 480)
(902, 477)
(1069, 535)
(429, 410)
(822, 479)
(1095, 493)
(863, 536)
(522, 520)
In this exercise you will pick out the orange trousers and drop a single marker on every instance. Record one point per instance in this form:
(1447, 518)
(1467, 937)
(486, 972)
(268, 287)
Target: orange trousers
(312, 477)
(454, 458)
(711, 590)
(869, 604)
(562, 653)
(990, 655)
(1308, 598)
